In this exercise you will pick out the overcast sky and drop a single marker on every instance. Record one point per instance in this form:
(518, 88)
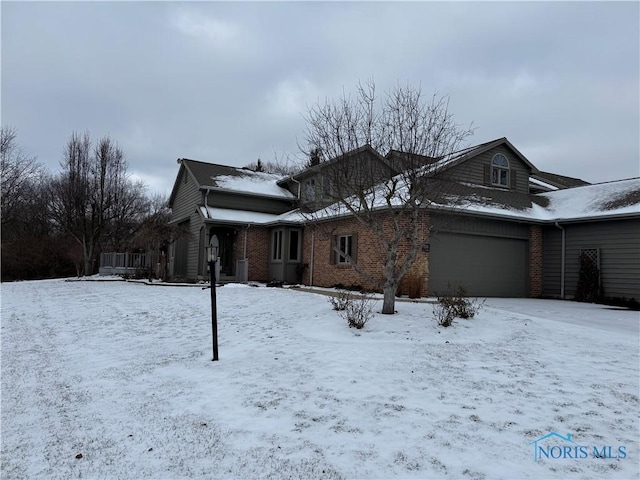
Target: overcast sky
(228, 82)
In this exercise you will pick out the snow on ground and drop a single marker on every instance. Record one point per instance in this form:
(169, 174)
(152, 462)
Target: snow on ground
(121, 374)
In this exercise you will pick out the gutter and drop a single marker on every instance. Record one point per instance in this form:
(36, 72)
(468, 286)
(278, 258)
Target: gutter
(562, 261)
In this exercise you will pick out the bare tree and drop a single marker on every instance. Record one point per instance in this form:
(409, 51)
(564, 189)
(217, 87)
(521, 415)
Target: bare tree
(92, 192)
(19, 172)
(416, 134)
(279, 165)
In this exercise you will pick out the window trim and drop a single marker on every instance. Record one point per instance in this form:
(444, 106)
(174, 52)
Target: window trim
(276, 245)
(496, 171)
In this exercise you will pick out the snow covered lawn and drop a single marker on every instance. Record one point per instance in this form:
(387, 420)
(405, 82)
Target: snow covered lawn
(115, 380)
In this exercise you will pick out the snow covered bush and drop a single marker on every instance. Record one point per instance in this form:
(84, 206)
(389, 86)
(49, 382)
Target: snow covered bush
(340, 300)
(455, 305)
(358, 311)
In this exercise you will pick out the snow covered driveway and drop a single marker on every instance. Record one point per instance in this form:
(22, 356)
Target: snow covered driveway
(115, 380)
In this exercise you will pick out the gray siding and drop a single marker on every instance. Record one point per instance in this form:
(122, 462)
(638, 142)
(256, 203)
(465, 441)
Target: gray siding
(478, 226)
(184, 208)
(473, 170)
(243, 202)
(551, 261)
(186, 198)
(619, 245)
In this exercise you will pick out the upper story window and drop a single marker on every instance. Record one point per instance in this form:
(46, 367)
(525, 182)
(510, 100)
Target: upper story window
(310, 189)
(500, 171)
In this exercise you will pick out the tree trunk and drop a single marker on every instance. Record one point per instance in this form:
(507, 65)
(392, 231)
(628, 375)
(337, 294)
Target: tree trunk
(88, 259)
(389, 301)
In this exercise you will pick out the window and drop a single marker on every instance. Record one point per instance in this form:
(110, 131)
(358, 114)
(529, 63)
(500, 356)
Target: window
(310, 189)
(276, 246)
(345, 245)
(294, 245)
(344, 249)
(326, 188)
(500, 171)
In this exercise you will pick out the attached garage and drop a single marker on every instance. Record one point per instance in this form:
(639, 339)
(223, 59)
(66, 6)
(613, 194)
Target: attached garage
(486, 266)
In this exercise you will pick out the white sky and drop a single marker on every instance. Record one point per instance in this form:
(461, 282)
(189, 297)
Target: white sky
(228, 82)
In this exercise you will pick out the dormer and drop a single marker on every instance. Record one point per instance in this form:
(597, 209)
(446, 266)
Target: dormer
(496, 164)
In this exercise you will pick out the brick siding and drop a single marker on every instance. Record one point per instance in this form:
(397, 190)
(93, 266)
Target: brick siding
(257, 252)
(370, 257)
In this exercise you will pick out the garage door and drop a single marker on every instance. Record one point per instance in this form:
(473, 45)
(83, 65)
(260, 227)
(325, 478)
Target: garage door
(486, 266)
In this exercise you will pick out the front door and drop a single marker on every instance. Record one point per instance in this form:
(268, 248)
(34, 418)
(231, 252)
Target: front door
(227, 253)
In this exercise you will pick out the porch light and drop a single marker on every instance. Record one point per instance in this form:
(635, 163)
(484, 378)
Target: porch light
(213, 248)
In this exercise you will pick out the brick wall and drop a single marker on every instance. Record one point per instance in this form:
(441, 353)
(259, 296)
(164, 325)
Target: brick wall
(535, 261)
(370, 257)
(257, 252)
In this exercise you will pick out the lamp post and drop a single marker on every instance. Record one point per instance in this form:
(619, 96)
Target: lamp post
(212, 256)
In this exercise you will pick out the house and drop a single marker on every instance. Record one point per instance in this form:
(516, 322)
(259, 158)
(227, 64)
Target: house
(501, 226)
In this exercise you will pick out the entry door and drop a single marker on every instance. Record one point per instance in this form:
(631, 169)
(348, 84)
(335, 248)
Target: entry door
(227, 239)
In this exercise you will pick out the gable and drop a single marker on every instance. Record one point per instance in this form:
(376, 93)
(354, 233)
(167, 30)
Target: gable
(325, 183)
(476, 168)
(184, 196)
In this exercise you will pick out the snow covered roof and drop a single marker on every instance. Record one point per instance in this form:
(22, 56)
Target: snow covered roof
(251, 183)
(599, 201)
(245, 217)
(234, 179)
(608, 199)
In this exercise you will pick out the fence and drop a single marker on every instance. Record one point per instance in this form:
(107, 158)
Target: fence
(113, 263)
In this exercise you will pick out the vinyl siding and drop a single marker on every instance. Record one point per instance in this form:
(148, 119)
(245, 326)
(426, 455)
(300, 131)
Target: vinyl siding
(619, 245)
(473, 170)
(551, 261)
(235, 201)
(478, 226)
(186, 198)
(184, 208)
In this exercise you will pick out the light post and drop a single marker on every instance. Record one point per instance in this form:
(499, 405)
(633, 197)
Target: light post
(212, 256)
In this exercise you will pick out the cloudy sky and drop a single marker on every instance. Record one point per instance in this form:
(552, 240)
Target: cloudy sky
(228, 82)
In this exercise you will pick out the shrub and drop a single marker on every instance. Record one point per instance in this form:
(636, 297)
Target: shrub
(455, 305)
(589, 288)
(357, 311)
(340, 300)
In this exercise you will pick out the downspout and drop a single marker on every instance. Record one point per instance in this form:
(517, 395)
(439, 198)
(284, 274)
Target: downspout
(299, 186)
(563, 247)
(244, 252)
(313, 243)
(244, 243)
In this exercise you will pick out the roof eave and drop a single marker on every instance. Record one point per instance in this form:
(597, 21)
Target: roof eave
(248, 194)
